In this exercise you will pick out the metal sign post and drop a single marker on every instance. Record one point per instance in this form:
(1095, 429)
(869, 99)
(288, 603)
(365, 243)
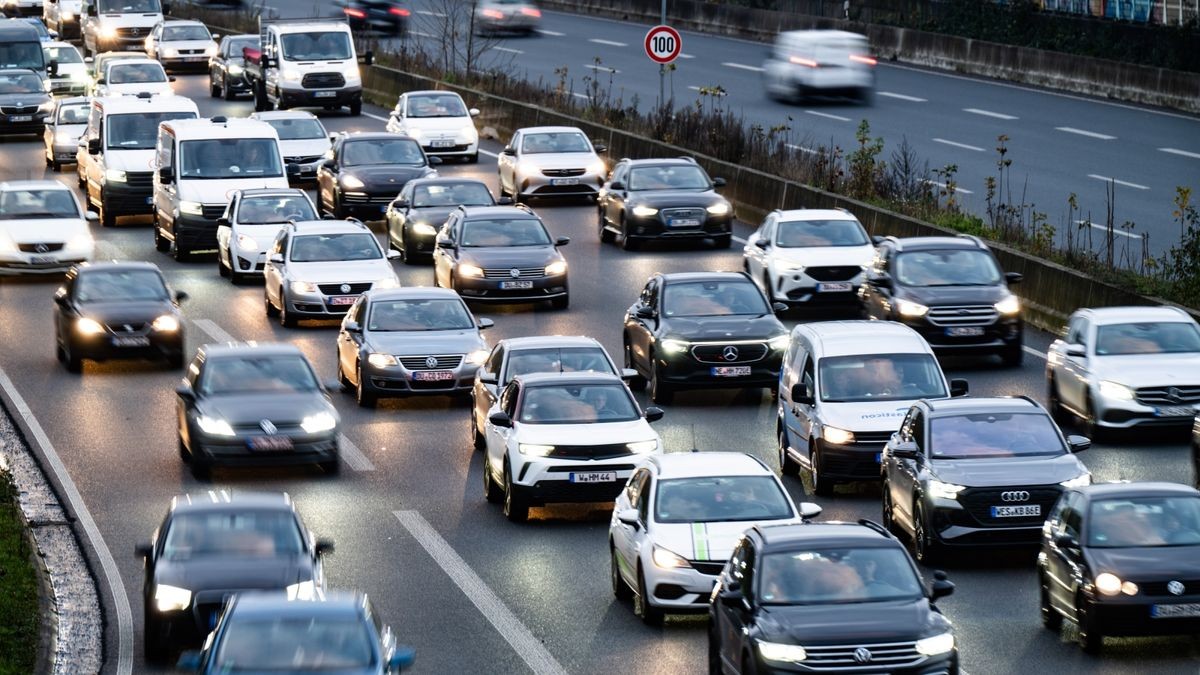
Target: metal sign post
(663, 46)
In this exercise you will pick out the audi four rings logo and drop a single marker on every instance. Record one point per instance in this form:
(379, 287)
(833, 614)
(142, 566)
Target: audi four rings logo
(1175, 587)
(268, 427)
(1014, 496)
(514, 273)
(345, 288)
(863, 655)
(430, 362)
(730, 353)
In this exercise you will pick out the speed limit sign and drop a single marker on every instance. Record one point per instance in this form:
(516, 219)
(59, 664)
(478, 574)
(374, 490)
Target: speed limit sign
(663, 44)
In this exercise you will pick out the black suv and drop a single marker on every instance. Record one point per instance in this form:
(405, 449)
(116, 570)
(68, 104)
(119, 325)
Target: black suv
(825, 597)
(703, 330)
(951, 290)
(363, 173)
(417, 214)
(976, 472)
(663, 199)
(1122, 559)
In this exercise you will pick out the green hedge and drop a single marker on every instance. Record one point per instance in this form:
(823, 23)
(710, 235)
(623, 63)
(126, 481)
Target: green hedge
(19, 613)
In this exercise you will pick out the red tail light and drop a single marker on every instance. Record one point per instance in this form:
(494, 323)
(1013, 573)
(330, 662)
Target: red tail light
(870, 61)
(493, 14)
(355, 13)
(803, 62)
(531, 11)
(398, 11)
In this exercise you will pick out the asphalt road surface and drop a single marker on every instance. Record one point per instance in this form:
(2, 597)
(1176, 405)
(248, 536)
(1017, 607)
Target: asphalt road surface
(470, 591)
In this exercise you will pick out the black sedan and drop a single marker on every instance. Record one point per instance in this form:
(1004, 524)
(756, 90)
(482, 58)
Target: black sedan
(1122, 559)
(226, 68)
(213, 545)
(703, 330)
(384, 16)
(648, 199)
(117, 310)
(24, 103)
(367, 172)
(253, 405)
(418, 213)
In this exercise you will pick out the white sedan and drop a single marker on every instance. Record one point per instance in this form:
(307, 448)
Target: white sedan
(43, 230)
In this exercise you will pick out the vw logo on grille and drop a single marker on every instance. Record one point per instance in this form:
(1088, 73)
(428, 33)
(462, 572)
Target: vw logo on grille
(1014, 496)
(963, 312)
(730, 353)
(268, 427)
(128, 328)
(1176, 587)
(863, 655)
(430, 362)
(42, 248)
(345, 288)
(514, 273)
(1174, 394)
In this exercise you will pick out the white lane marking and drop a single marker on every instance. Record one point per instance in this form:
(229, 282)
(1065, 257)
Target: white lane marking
(375, 117)
(214, 331)
(989, 113)
(828, 116)
(606, 69)
(742, 66)
(352, 455)
(551, 33)
(610, 43)
(739, 240)
(1116, 230)
(956, 188)
(524, 643)
(429, 12)
(1118, 182)
(112, 575)
(801, 148)
(686, 56)
(1181, 153)
(902, 97)
(1085, 132)
(420, 33)
(1033, 352)
(489, 153)
(510, 51)
(956, 144)
(582, 96)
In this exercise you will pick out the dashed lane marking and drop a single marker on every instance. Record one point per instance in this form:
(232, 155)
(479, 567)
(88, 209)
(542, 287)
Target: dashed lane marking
(1106, 179)
(1085, 132)
(603, 69)
(828, 116)
(551, 33)
(610, 43)
(956, 144)
(1181, 153)
(508, 50)
(742, 66)
(956, 188)
(902, 97)
(989, 113)
(1116, 230)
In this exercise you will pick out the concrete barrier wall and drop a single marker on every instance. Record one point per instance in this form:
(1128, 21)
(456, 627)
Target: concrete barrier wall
(1039, 67)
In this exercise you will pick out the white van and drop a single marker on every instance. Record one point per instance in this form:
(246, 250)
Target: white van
(844, 389)
(824, 62)
(200, 163)
(109, 25)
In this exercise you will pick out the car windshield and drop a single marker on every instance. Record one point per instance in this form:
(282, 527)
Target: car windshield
(236, 45)
(466, 193)
(63, 54)
(809, 233)
(188, 32)
(419, 315)
(838, 576)
(73, 114)
(557, 360)
(714, 499)
(880, 377)
(120, 286)
(135, 73)
(1135, 522)
(668, 178)
(325, 46)
(295, 644)
(249, 534)
(258, 374)
(382, 151)
(21, 55)
(994, 435)
(713, 298)
(16, 204)
(129, 6)
(952, 267)
(1177, 337)
(21, 83)
(436, 105)
(577, 404)
(565, 141)
(514, 232)
(331, 247)
(298, 129)
(274, 210)
(138, 131)
(230, 158)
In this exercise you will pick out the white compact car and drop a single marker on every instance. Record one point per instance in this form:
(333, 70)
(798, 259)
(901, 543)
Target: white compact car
(678, 520)
(133, 76)
(70, 74)
(809, 257)
(564, 437)
(247, 230)
(303, 140)
(551, 162)
(43, 230)
(439, 121)
(64, 129)
(824, 62)
(181, 44)
(317, 269)
(1126, 367)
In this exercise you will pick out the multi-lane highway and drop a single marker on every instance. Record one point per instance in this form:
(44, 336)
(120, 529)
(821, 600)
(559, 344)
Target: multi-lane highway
(472, 592)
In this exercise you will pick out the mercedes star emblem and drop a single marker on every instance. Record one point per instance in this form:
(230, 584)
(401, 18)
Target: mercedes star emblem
(345, 288)
(730, 353)
(268, 427)
(514, 273)
(1175, 587)
(128, 328)
(1173, 393)
(1014, 496)
(863, 655)
(430, 362)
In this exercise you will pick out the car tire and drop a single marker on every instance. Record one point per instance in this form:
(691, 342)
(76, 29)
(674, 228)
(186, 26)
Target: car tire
(637, 382)
(332, 467)
(410, 258)
(175, 360)
(79, 178)
(477, 440)
(492, 491)
(364, 398)
(155, 648)
(286, 318)
(723, 241)
(1053, 403)
(342, 379)
(1051, 619)
(660, 392)
(261, 102)
(201, 469)
(822, 486)
(107, 219)
(70, 360)
(628, 243)
(1090, 637)
(648, 613)
(516, 506)
(226, 90)
(214, 90)
(925, 549)
(268, 306)
(607, 236)
(1089, 425)
(473, 159)
(1013, 356)
(621, 590)
(787, 465)
(561, 302)
(56, 165)
(749, 664)
(356, 108)
(715, 667)
(235, 277)
(887, 512)
(161, 243)
(221, 268)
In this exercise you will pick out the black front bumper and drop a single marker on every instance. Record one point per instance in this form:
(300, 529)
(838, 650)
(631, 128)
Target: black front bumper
(235, 451)
(391, 384)
(653, 227)
(489, 290)
(1003, 335)
(1133, 616)
(35, 125)
(125, 199)
(683, 370)
(565, 492)
(309, 97)
(195, 233)
(103, 347)
(853, 462)
(966, 521)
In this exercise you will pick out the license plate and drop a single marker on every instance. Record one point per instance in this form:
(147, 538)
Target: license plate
(270, 443)
(325, 94)
(515, 284)
(965, 331)
(441, 144)
(433, 375)
(1189, 609)
(42, 260)
(683, 222)
(1175, 411)
(1017, 511)
(731, 371)
(20, 118)
(835, 287)
(565, 181)
(343, 300)
(593, 477)
(131, 341)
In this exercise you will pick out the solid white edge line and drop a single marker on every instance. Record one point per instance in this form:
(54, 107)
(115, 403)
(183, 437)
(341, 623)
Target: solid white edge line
(352, 455)
(1118, 182)
(605, 69)
(956, 144)
(112, 574)
(1181, 153)
(989, 113)
(739, 240)
(582, 96)
(489, 153)
(508, 49)
(524, 643)
(1085, 132)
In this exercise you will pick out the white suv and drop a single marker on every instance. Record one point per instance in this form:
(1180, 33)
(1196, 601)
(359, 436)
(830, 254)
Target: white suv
(317, 269)
(564, 437)
(42, 228)
(246, 232)
(677, 521)
(807, 257)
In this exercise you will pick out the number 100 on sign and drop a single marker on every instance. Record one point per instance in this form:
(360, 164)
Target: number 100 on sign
(663, 44)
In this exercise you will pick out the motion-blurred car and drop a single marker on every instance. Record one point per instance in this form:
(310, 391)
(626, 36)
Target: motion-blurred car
(363, 173)
(68, 73)
(303, 140)
(384, 16)
(25, 103)
(43, 230)
(181, 45)
(551, 162)
(440, 122)
(227, 68)
(666, 199)
(247, 230)
(64, 128)
(820, 62)
(506, 16)
(416, 216)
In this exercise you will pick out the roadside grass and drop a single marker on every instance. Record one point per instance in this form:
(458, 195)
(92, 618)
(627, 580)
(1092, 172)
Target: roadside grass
(19, 612)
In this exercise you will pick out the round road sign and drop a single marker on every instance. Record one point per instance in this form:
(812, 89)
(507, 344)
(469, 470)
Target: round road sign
(663, 44)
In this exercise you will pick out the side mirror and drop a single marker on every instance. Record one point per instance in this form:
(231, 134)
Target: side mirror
(91, 10)
(393, 254)
(629, 517)
(485, 323)
(500, 419)
(718, 182)
(1078, 443)
(510, 151)
(91, 216)
(93, 146)
(166, 8)
(180, 296)
(170, 78)
(762, 243)
(330, 164)
(400, 203)
(644, 312)
(1013, 277)
(941, 585)
(653, 414)
(164, 174)
(269, 62)
(878, 239)
(809, 510)
(802, 394)
(905, 450)
(185, 392)
(224, 221)
(323, 546)
(276, 258)
(352, 327)
(402, 658)
(445, 243)
(779, 307)
(332, 385)
(52, 68)
(616, 185)
(959, 387)
(144, 550)
(504, 201)
(1064, 540)
(488, 378)
(628, 374)
(434, 160)
(189, 660)
(474, 112)
(600, 148)
(216, 37)
(880, 280)
(562, 241)
(61, 300)
(1076, 350)
(732, 595)
(101, 80)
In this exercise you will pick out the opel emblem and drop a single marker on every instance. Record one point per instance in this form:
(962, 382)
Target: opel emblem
(345, 288)
(1014, 496)
(1175, 587)
(514, 273)
(730, 353)
(128, 328)
(863, 655)
(391, 180)
(430, 362)
(268, 427)
(41, 248)
(1173, 392)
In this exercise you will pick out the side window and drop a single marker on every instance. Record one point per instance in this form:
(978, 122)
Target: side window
(807, 377)
(906, 427)
(358, 313)
(1056, 513)
(1072, 517)
(644, 497)
(737, 561)
(637, 483)
(918, 429)
(508, 400)
(748, 562)
(792, 360)
(1084, 329)
(93, 126)
(653, 287)
(620, 173)
(1074, 330)
(280, 243)
(494, 361)
(231, 209)
(768, 229)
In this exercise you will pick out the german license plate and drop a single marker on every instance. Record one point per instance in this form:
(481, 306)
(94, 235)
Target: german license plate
(1023, 511)
(343, 300)
(683, 222)
(1175, 411)
(964, 331)
(325, 94)
(593, 476)
(131, 341)
(270, 443)
(565, 181)
(433, 375)
(41, 260)
(834, 287)
(731, 371)
(510, 285)
(441, 144)
(20, 118)
(1188, 609)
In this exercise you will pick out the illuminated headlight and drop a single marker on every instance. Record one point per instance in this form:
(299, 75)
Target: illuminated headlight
(644, 211)
(597, 166)
(1110, 584)
(191, 208)
(1081, 480)
(68, 16)
(780, 341)
(642, 447)
(305, 590)
(719, 209)
(938, 644)
(1008, 306)
(424, 229)
(674, 346)
(788, 266)
(351, 182)
(535, 450)
(290, 76)
(235, 70)
(386, 282)
(477, 357)
(86, 326)
(773, 651)
(210, 50)
(48, 106)
(170, 53)
(469, 270)
(322, 421)
(382, 360)
(1115, 390)
(63, 136)
(911, 309)
(556, 268)
(81, 76)
(350, 72)
(469, 132)
(7, 245)
(837, 436)
(108, 32)
(940, 490)
(165, 324)
(213, 426)
(118, 176)
(304, 287)
(171, 598)
(246, 242)
(668, 559)
(81, 241)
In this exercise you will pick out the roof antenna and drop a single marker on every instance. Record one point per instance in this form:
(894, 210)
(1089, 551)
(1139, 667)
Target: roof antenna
(693, 428)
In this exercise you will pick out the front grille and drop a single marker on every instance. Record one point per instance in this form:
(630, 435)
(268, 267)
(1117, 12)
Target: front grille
(965, 315)
(281, 428)
(441, 362)
(133, 32)
(190, 52)
(145, 179)
(857, 466)
(1167, 396)
(506, 272)
(697, 215)
(19, 110)
(323, 81)
(1190, 587)
(605, 451)
(126, 329)
(212, 211)
(360, 198)
(563, 173)
(336, 289)
(833, 273)
(708, 567)
(872, 436)
(979, 502)
(715, 353)
(45, 248)
(883, 655)
(302, 160)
